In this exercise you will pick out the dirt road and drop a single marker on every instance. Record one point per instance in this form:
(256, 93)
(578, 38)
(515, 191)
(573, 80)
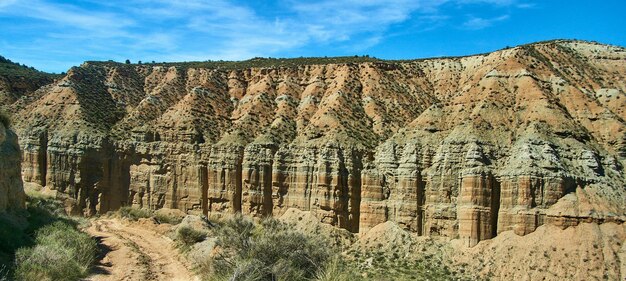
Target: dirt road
(133, 253)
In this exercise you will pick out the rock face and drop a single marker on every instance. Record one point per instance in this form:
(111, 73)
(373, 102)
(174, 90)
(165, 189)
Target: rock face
(11, 186)
(458, 147)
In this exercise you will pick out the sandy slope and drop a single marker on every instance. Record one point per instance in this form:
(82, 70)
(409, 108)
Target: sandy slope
(585, 252)
(136, 253)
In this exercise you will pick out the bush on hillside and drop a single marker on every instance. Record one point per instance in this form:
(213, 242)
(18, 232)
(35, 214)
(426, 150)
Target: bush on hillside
(134, 213)
(12, 236)
(270, 250)
(18, 229)
(61, 252)
(189, 236)
(337, 269)
(166, 218)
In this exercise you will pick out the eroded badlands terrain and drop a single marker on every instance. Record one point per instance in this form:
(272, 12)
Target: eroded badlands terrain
(465, 147)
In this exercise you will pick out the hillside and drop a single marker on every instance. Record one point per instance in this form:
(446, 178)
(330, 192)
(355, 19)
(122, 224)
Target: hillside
(16, 80)
(465, 147)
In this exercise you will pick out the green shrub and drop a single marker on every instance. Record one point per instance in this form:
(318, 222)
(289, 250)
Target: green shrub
(18, 229)
(134, 213)
(61, 252)
(164, 218)
(337, 270)
(25, 241)
(44, 211)
(235, 234)
(44, 262)
(189, 236)
(267, 251)
(67, 236)
(11, 237)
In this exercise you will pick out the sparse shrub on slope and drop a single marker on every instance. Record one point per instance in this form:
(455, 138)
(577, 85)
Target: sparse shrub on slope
(134, 213)
(189, 236)
(254, 62)
(18, 230)
(337, 269)
(167, 218)
(43, 243)
(61, 252)
(23, 78)
(161, 218)
(270, 250)
(12, 236)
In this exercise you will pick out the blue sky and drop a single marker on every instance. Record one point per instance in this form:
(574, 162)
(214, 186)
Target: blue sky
(55, 35)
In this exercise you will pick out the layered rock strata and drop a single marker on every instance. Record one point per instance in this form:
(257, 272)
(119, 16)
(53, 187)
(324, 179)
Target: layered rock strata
(11, 186)
(457, 147)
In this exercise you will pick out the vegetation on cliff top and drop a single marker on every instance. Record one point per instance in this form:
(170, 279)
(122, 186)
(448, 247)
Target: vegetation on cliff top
(269, 62)
(13, 70)
(251, 63)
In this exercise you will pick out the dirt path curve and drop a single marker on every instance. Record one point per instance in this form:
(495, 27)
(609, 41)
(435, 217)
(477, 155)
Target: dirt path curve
(132, 253)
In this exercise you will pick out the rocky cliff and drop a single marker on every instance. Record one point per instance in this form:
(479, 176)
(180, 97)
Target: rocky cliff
(11, 186)
(462, 147)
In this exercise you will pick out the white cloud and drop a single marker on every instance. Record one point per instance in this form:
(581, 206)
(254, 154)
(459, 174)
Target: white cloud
(492, 2)
(476, 23)
(336, 19)
(525, 5)
(168, 30)
(65, 15)
(5, 3)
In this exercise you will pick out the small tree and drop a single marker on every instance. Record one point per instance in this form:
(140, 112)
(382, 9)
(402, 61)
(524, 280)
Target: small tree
(127, 61)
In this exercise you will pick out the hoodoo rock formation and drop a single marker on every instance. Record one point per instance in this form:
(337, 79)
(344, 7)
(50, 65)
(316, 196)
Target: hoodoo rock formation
(462, 147)
(11, 186)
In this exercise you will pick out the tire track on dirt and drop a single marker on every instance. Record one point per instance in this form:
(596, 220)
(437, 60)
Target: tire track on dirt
(132, 253)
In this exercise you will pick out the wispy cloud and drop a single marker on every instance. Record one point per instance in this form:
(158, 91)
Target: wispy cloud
(492, 2)
(4, 3)
(341, 20)
(476, 23)
(166, 30)
(525, 5)
(68, 16)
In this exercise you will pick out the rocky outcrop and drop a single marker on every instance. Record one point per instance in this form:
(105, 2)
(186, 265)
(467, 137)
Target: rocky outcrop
(11, 186)
(457, 147)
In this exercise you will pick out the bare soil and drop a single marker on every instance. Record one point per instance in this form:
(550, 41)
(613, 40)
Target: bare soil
(135, 252)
